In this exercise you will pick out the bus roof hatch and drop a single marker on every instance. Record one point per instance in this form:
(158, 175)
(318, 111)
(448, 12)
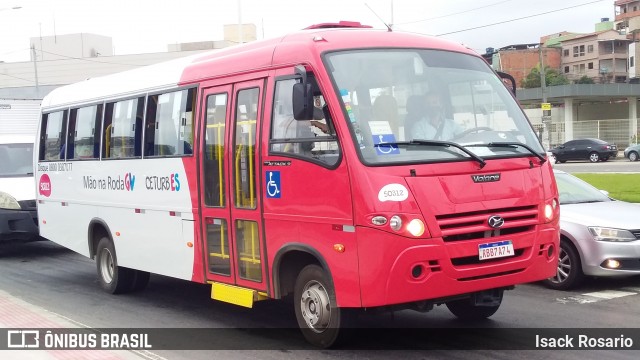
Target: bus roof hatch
(340, 24)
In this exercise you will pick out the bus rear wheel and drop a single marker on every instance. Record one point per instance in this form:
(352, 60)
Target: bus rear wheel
(319, 318)
(469, 309)
(112, 278)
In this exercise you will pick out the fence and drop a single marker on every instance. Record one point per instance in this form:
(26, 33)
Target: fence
(613, 131)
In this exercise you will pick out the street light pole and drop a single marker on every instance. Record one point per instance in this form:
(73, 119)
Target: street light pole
(35, 68)
(546, 119)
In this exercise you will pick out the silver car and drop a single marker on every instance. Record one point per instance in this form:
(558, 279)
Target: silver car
(632, 152)
(598, 235)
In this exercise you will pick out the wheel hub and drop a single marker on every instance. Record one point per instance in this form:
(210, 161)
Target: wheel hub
(106, 266)
(564, 268)
(315, 307)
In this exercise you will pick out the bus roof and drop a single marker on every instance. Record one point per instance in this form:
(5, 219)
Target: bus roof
(296, 48)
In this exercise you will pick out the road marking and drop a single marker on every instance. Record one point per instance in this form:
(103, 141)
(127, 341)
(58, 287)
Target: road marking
(610, 294)
(594, 297)
(577, 299)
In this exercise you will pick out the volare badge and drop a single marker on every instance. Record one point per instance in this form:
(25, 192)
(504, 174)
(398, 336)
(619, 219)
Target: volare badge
(393, 192)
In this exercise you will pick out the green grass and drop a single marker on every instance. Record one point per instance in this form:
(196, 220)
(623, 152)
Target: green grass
(625, 187)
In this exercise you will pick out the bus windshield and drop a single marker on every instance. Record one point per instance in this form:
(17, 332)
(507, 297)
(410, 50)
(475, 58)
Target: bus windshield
(410, 105)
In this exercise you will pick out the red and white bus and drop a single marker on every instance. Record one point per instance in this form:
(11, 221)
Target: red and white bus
(297, 167)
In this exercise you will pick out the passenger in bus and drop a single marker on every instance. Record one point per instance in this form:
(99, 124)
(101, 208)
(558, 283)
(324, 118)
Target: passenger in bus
(318, 116)
(435, 125)
(415, 107)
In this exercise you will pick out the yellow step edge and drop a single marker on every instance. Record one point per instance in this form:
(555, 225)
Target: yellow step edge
(236, 295)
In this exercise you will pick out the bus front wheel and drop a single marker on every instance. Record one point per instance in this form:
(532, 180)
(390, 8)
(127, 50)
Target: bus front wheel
(480, 306)
(316, 309)
(112, 278)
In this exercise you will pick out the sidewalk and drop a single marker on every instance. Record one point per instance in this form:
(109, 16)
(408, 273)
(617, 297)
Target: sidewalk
(15, 313)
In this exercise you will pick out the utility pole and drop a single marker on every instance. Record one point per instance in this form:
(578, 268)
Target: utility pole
(35, 68)
(546, 114)
(240, 21)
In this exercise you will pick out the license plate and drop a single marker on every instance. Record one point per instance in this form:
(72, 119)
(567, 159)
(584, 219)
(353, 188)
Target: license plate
(495, 250)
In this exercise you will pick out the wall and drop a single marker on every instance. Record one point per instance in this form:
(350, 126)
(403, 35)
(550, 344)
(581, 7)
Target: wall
(19, 116)
(518, 63)
(82, 45)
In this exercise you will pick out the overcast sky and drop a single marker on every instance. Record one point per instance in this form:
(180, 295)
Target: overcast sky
(141, 26)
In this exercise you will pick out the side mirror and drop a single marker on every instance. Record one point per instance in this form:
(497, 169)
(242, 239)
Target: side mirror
(302, 97)
(504, 76)
(605, 192)
(561, 147)
(302, 102)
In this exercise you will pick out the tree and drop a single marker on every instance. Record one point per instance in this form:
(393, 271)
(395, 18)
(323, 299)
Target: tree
(585, 80)
(552, 78)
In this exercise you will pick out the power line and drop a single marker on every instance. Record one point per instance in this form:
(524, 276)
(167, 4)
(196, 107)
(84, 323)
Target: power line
(85, 59)
(19, 78)
(521, 18)
(14, 51)
(452, 14)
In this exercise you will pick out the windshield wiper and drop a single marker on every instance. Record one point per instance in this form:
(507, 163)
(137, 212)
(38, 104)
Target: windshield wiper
(511, 145)
(443, 144)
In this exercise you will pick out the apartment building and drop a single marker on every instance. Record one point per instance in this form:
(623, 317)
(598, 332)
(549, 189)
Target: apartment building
(601, 56)
(627, 21)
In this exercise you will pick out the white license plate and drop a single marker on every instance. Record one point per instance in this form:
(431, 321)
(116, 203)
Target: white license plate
(495, 250)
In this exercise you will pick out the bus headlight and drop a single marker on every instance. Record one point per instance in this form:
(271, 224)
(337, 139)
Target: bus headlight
(8, 202)
(551, 209)
(416, 227)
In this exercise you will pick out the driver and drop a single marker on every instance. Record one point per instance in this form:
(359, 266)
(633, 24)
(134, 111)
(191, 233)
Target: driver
(434, 125)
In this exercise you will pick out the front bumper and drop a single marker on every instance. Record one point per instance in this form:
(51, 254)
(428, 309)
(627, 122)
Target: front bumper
(596, 253)
(395, 270)
(18, 225)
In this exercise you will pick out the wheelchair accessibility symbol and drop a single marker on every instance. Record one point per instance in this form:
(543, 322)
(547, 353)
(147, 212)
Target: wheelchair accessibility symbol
(273, 184)
(380, 142)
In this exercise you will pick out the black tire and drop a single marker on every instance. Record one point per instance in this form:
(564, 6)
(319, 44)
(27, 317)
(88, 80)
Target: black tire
(321, 321)
(465, 309)
(633, 156)
(569, 273)
(113, 279)
(594, 157)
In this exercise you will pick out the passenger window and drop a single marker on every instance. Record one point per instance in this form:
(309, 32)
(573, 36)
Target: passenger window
(84, 133)
(52, 136)
(169, 124)
(123, 129)
(245, 148)
(313, 139)
(214, 168)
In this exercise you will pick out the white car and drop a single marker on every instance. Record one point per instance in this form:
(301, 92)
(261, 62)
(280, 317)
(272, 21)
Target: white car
(598, 235)
(18, 218)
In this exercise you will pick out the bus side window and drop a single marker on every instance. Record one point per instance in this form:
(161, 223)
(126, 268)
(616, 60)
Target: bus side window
(84, 133)
(312, 139)
(123, 129)
(169, 127)
(53, 135)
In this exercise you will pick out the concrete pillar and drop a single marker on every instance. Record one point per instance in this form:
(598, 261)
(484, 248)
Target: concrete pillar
(633, 118)
(568, 119)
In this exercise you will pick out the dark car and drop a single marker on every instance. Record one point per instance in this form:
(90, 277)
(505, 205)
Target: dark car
(593, 150)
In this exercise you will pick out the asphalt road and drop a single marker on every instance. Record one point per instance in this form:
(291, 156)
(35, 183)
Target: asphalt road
(64, 283)
(618, 165)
